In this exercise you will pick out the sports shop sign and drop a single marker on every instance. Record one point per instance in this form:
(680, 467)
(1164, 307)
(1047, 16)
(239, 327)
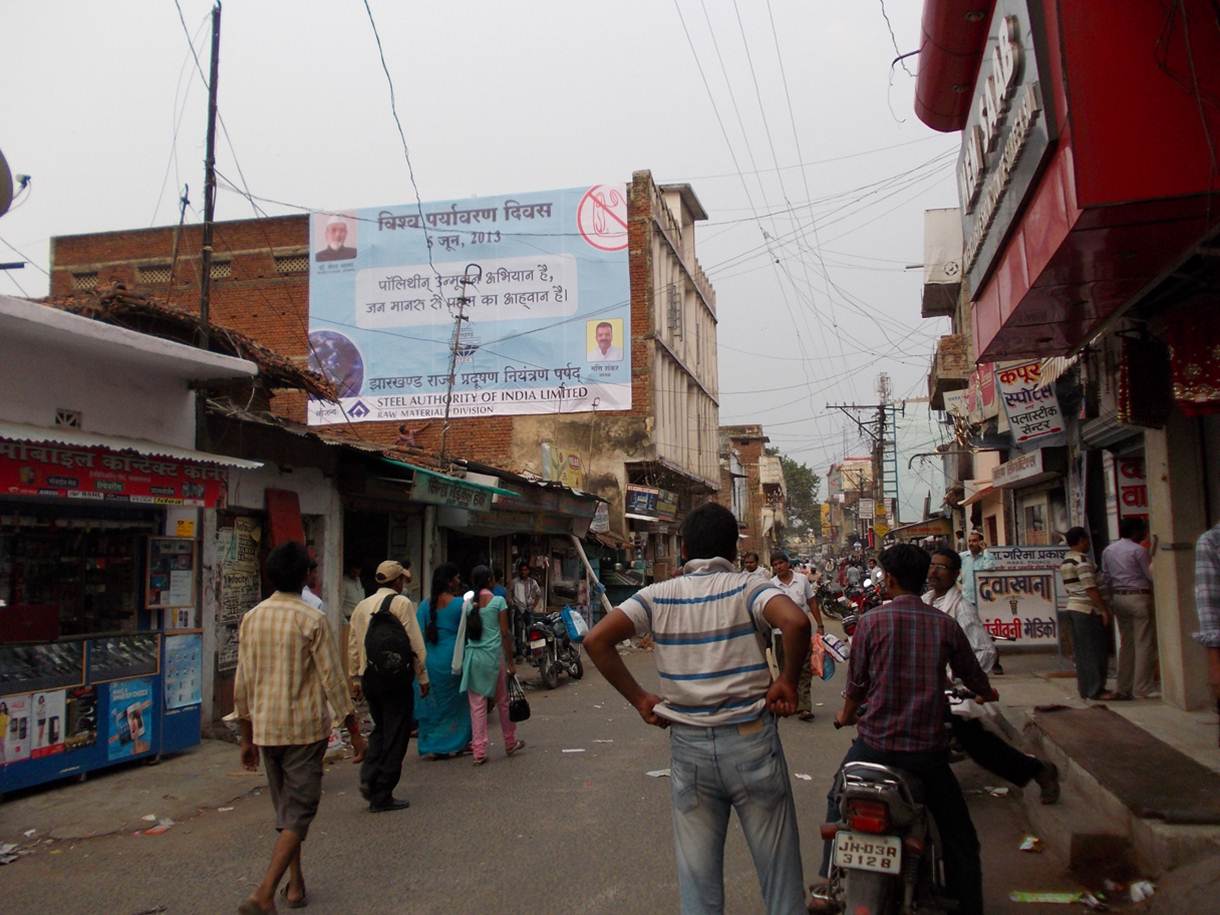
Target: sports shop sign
(1007, 136)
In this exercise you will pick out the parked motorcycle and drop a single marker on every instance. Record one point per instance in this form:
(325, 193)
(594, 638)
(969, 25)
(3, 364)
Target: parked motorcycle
(551, 651)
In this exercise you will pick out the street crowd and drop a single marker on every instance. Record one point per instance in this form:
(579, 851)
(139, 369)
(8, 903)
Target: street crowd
(442, 665)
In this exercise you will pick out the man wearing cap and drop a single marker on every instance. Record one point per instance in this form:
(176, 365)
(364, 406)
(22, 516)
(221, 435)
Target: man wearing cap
(392, 712)
(336, 242)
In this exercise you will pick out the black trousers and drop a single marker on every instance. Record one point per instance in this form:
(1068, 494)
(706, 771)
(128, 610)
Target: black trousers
(392, 707)
(994, 753)
(943, 797)
(1090, 651)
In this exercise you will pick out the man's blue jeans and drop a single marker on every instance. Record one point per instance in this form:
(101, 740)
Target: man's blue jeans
(742, 767)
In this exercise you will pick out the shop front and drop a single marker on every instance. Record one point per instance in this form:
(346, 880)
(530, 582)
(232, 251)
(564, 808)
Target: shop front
(1088, 188)
(1035, 480)
(101, 651)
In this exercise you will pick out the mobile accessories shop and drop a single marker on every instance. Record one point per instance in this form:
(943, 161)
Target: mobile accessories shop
(100, 646)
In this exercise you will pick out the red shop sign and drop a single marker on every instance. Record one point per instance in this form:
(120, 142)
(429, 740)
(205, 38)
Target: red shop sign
(45, 469)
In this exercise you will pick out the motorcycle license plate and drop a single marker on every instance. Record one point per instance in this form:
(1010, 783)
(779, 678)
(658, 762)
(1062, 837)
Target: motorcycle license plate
(882, 854)
(538, 643)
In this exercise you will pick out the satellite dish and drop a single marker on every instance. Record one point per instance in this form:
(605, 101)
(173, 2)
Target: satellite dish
(6, 185)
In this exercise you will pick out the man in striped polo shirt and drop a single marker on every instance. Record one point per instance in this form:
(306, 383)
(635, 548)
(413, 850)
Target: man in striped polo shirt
(710, 627)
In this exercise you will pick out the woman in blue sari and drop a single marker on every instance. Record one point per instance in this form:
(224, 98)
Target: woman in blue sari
(444, 714)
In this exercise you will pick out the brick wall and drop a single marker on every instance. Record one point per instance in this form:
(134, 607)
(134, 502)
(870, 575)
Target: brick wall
(271, 306)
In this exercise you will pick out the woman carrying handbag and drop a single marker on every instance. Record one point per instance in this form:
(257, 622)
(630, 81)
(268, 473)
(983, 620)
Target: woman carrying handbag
(485, 659)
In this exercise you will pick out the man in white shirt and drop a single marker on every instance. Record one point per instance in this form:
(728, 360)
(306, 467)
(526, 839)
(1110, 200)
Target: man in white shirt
(800, 590)
(604, 350)
(987, 749)
(312, 586)
(947, 597)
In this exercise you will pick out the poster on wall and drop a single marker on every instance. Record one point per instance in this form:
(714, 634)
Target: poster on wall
(130, 717)
(1018, 605)
(170, 573)
(240, 584)
(540, 277)
(80, 727)
(15, 729)
(48, 728)
(183, 671)
(1030, 405)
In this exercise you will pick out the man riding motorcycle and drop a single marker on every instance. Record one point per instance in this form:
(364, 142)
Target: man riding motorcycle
(902, 713)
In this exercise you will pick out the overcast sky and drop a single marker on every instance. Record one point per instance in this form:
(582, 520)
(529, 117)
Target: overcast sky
(103, 108)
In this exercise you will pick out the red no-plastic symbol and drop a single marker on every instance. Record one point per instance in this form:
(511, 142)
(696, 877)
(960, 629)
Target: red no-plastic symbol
(602, 217)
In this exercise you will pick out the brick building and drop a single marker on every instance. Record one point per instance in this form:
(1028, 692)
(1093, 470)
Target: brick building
(752, 487)
(666, 441)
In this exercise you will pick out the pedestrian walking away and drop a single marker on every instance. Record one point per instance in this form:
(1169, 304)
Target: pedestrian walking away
(288, 670)
(800, 589)
(484, 658)
(896, 687)
(1126, 576)
(1088, 616)
(387, 649)
(982, 745)
(710, 627)
(444, 712)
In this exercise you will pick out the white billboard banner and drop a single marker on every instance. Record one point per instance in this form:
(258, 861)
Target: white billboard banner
(540, 278)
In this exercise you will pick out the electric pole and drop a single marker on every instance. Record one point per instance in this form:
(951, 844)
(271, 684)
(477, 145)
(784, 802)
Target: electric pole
(472, 275)
(209, 182)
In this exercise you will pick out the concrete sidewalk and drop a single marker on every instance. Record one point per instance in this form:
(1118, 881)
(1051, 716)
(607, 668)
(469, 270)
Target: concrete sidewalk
(1090, 825)
(118, 800)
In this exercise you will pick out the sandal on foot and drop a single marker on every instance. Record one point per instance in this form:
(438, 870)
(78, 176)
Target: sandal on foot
(519, 745)
(294, 903)
(479, 760)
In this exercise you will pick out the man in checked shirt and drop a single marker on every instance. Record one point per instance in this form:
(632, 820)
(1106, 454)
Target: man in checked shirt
(288, 671)
(895, 696)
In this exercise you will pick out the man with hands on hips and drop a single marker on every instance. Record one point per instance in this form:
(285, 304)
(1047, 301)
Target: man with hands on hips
(710, 627)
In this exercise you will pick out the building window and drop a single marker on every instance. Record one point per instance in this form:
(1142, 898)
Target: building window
(84, 281)
(153, 273)
(292, 263)
(221, 270)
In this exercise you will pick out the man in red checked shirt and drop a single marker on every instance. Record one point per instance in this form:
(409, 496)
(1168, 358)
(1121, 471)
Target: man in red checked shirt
(895, 696)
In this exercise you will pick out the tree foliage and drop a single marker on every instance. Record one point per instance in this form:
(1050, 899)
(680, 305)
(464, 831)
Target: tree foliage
(802, 485)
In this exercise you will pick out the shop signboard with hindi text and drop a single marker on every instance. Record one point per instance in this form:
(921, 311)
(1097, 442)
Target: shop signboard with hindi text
(1031, 558)
(1018, 605)
(542, 282)
(97, 474)
(1008, 136)
(1030, 404)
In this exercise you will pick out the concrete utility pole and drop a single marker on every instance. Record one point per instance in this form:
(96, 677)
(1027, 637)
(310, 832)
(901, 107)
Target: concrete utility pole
(209, 182)
(472, 275)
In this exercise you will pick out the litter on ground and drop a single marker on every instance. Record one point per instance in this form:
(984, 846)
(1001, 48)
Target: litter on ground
(1030, 843)
(1069, 898)
(803, 777)
(575, 750)
(658, 773)
(1141, 890)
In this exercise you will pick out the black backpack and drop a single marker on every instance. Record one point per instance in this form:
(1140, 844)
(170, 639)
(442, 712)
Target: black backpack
(387, 646)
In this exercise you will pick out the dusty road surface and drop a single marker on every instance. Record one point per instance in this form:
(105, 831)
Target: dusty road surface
(547, 831)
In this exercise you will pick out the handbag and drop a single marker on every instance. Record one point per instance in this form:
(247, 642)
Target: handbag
(518, 705)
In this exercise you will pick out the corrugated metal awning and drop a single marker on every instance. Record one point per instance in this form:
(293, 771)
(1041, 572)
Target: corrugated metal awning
(61, 435)
(1056, 366)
